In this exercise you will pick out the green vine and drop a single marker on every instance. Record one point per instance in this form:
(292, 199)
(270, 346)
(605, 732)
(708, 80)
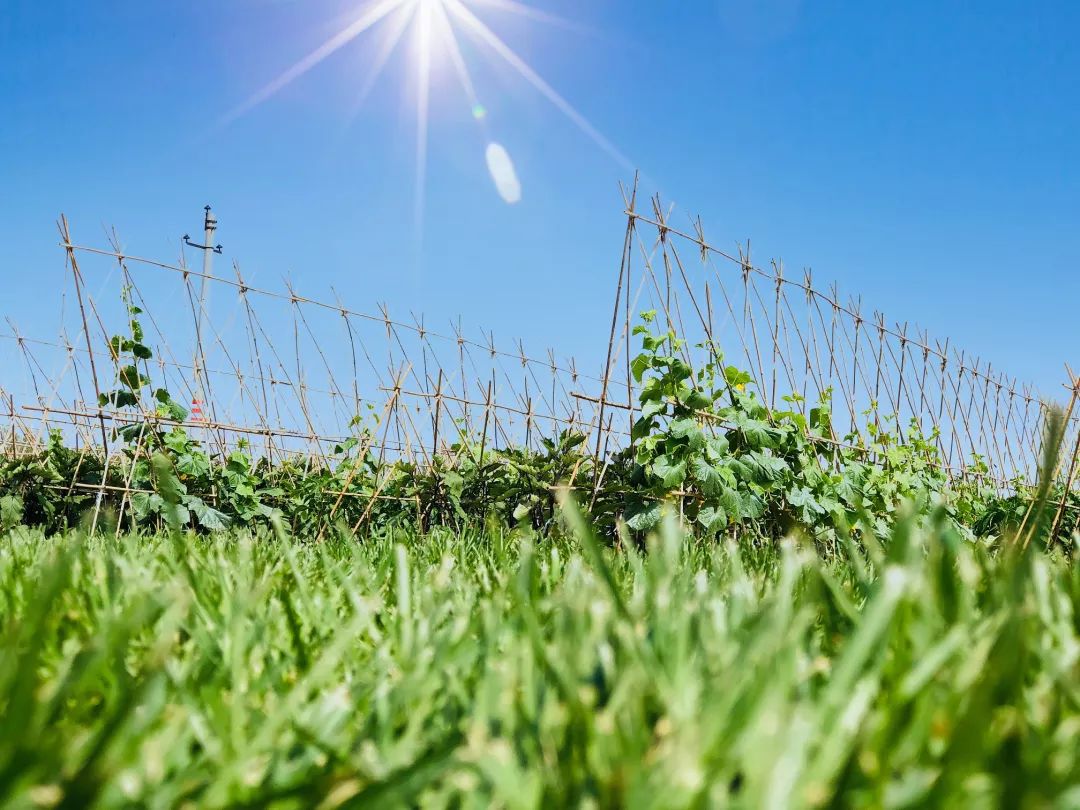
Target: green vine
(703, 444)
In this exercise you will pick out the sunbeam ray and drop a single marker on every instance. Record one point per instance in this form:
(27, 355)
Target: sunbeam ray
(530, 13)
(399, 24)
(449, 38)
(373, 14)
(477, 27)
(423, 46)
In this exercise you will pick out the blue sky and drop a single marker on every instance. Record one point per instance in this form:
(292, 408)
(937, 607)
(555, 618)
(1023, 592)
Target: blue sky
(922, 154)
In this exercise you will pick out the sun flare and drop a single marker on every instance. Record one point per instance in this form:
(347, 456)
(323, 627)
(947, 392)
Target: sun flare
(434, 27)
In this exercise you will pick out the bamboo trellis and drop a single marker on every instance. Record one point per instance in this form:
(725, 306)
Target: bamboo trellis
(802, 342)
(285, 374)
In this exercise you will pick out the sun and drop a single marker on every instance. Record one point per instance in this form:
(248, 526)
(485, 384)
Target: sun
(434, 27)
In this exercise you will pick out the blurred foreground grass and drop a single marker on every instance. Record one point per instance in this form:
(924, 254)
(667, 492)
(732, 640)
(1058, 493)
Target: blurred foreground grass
(477, 670)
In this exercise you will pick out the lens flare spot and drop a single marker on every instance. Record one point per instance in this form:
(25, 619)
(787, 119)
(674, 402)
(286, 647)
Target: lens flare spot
(503, 174)
(479, 112)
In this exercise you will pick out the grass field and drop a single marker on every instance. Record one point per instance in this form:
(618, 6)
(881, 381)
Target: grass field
(283, 524)
(494, 669)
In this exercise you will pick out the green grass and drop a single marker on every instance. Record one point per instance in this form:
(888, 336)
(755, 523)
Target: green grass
(473, 670)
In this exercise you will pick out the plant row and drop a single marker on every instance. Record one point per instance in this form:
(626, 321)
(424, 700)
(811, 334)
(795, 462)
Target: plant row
(704, 444)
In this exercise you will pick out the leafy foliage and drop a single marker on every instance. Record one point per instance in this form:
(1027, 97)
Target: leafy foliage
(703, 444)
(706, 443)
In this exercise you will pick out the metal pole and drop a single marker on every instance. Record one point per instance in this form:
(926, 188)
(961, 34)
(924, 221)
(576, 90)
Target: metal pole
(209, 226)
(209, 249)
